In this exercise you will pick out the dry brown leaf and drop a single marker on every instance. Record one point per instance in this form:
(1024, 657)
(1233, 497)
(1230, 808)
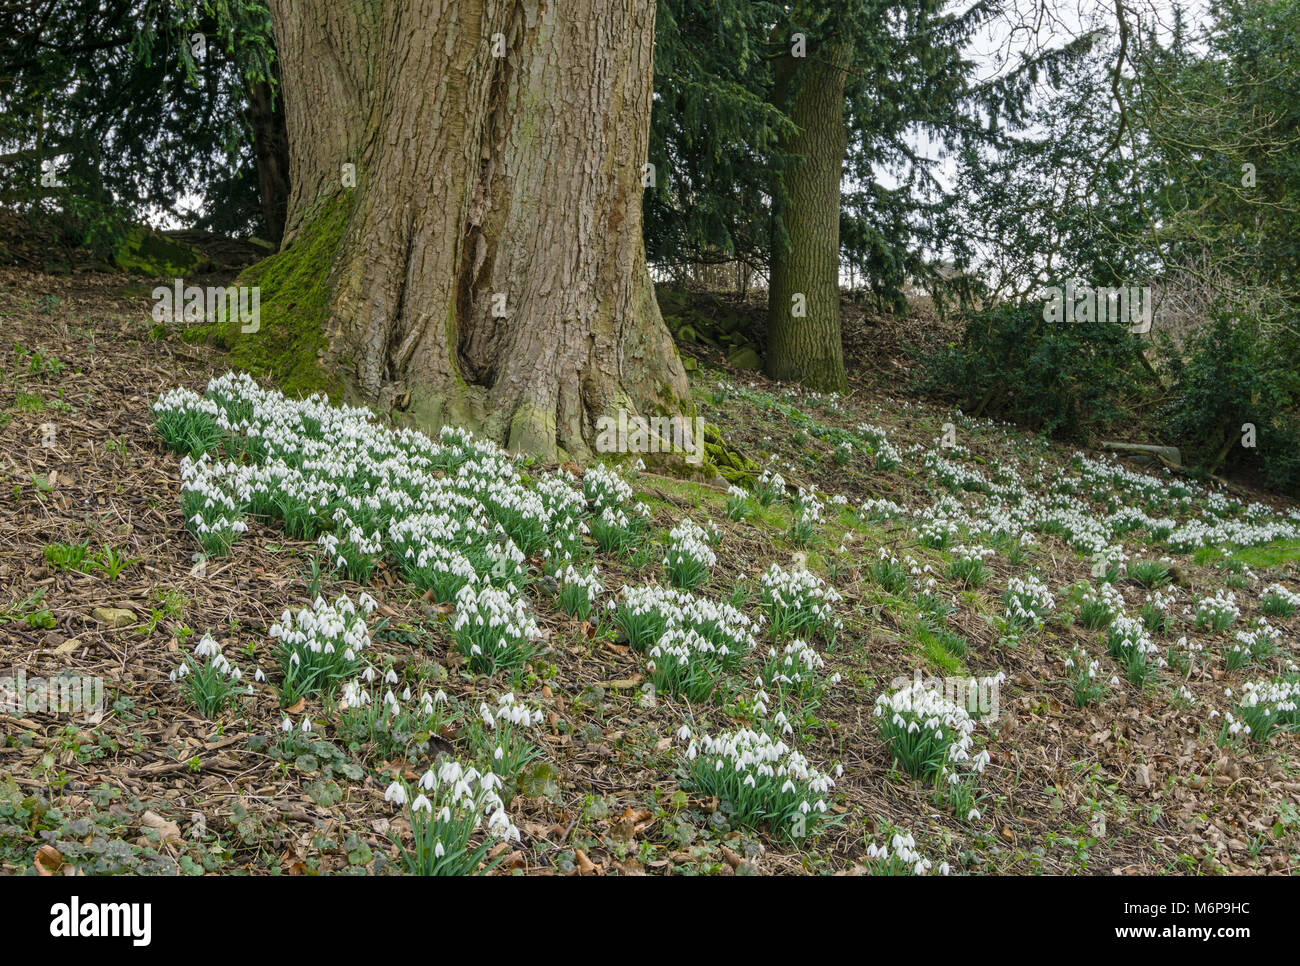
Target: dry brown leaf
(167, 831)
(515, 860)
(293, 863)
(48, 861)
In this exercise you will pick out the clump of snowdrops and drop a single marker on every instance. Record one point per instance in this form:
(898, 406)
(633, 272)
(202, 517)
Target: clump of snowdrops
(493, 628)
(900, 857)
(758, 778)
(798, 602)
(928, 734)
(448, 806)
(208, 680)
(321, 646)
(1263, 709)
(689, 558)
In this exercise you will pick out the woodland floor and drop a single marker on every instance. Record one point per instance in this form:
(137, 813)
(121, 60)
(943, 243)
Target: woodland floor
(1136, 784)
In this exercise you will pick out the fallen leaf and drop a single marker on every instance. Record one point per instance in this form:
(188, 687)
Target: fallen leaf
(293, 863)
(515, 860)
(167, 831)
(48, 861)
(113, 616)
(68, 646)
(623, 683)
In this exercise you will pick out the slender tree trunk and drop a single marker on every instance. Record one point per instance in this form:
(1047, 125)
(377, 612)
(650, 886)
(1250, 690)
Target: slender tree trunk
(271, 148)
(492, 271)
(803, 329)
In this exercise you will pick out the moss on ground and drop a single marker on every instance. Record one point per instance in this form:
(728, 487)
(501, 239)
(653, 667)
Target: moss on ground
(146, 252)
(693, 492)
(732, 465)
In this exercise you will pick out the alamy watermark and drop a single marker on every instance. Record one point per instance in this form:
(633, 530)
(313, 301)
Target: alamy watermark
(75, 919)
(630, 433)
(979, 696)
(1128, 305)
(193, 304)
(62, 694)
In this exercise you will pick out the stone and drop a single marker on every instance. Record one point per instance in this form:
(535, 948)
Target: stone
(1147, 452)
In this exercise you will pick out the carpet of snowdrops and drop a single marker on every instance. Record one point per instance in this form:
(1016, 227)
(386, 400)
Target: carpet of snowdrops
(481, 535)
(904, 642)
(466, 525)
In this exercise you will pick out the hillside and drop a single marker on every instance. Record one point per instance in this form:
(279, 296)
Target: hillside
(1114, 624)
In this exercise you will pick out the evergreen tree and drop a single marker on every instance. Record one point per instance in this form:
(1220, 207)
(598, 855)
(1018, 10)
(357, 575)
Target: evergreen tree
(112, 110)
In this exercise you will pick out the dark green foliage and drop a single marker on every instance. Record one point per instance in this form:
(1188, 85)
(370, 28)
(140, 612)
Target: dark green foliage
(1180, 173)
(1058, 378)
(713, 135)
(720, 117)
(1211, 109)
(122, 104)
(1234, 376)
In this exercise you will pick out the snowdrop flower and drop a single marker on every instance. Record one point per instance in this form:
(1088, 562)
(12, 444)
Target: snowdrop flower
(207, 647)
(396, 794)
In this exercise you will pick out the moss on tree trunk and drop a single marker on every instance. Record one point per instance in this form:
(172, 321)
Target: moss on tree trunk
(289, 344)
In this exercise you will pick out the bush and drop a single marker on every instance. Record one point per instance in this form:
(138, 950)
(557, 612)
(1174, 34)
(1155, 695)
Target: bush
(1234, 374)
(1057, 378)
(1088, 377)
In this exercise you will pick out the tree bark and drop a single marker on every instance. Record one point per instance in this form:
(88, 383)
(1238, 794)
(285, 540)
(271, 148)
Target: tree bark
(271, 149)
(806, 237)
(492, 271)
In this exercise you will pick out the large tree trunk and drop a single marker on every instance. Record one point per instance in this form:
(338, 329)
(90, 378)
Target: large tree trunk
(805, 277)
(492, 271)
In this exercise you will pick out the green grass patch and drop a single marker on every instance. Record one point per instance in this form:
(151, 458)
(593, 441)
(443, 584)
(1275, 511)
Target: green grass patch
(1277, 554)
